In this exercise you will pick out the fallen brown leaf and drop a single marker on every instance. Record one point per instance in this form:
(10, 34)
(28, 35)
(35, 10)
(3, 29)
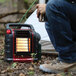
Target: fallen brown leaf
(58, 75)
(21, 74)
(7, 70)
(50, 75)
(3, 71)
(31, 68)
(47, 62)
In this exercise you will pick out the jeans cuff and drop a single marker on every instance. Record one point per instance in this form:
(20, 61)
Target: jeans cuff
(66, 61)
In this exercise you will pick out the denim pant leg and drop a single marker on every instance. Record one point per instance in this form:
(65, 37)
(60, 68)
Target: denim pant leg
(59, 14)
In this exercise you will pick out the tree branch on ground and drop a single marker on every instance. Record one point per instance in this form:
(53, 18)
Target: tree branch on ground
(14, 12)
(5, 22)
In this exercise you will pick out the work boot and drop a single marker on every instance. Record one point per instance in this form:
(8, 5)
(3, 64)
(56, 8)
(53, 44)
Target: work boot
(57, 66)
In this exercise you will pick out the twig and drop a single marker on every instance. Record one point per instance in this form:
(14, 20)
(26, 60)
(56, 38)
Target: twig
(9, 70)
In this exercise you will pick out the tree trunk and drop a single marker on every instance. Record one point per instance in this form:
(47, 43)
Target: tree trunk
(20, 6)
(10, 4)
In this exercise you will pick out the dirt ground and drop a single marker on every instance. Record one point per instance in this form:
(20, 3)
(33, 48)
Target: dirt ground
(20, 69)
(25, 69)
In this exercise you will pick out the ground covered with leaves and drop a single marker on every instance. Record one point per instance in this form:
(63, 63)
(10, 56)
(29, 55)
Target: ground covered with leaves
(24, 69)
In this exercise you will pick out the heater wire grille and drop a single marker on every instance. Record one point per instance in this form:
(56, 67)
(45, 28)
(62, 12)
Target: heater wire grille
(22, 38)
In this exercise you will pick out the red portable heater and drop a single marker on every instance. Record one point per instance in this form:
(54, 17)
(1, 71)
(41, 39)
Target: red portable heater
(20, 44)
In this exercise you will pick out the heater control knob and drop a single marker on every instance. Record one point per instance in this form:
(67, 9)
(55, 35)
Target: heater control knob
(8, 46)
(7, 51)
(8, 40)
(10, 36)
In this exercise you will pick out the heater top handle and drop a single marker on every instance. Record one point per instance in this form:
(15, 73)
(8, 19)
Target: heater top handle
(19, 25)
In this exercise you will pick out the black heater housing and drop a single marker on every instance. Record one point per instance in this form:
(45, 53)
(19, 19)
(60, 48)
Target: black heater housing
(22, 43)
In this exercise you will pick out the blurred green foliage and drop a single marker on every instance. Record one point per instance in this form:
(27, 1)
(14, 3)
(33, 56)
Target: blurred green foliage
(26, 1)
(2, 1)
(15, 5)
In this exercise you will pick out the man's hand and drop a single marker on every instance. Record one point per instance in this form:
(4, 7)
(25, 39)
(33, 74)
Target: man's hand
(41, 8)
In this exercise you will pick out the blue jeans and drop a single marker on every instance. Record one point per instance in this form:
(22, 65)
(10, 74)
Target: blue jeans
(61, 28)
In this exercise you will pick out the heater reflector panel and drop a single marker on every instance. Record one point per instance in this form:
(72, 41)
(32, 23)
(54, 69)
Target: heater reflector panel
(22, 44)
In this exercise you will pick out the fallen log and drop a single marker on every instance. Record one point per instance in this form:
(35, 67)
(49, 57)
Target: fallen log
(5, 22)
(14, 12)
(49, 53)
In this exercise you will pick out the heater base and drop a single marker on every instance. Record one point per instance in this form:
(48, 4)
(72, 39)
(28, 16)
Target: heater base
(21, 60)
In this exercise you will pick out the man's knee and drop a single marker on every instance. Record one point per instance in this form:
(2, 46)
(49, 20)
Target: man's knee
(55, 6)
(50, 7)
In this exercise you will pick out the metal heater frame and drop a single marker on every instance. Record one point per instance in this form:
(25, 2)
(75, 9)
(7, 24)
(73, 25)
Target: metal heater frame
(10, 43)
